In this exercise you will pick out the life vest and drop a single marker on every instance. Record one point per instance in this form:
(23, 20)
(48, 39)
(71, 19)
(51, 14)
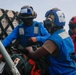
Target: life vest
(27, 66)
(30, 67)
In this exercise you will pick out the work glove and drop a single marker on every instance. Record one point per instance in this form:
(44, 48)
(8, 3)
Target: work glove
(33, 39)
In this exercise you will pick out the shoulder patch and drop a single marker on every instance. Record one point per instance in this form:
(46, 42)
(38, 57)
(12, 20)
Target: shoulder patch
(63, 35)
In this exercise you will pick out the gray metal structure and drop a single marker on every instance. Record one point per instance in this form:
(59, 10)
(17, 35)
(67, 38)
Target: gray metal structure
(8, 60)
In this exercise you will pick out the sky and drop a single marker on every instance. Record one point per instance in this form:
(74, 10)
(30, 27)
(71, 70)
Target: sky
(41, 6)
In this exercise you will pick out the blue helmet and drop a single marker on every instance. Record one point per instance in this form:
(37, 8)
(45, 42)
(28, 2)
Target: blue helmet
(27, 12)
(59, 16)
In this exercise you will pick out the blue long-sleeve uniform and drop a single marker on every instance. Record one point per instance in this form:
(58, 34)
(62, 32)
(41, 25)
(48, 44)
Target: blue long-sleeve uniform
(23, 33)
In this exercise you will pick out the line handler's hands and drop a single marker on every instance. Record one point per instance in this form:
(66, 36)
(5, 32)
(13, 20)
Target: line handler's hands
(33, 39)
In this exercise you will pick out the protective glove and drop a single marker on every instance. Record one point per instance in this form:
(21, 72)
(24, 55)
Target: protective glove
(33, 39)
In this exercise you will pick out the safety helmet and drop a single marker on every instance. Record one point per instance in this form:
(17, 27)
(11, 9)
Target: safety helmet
(27, 12)
(59, 19)
(72, 22)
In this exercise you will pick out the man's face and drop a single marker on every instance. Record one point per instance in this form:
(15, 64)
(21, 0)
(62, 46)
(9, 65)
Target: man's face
(74, 31)
(49, 22)
(72, 26)
(27, 21)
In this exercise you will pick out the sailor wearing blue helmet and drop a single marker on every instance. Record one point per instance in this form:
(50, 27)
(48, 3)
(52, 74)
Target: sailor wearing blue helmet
(28, 30)
(58, 48)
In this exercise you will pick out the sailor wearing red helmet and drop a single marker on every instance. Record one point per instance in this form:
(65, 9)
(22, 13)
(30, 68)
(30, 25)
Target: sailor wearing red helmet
(72, 27)
(72, 24)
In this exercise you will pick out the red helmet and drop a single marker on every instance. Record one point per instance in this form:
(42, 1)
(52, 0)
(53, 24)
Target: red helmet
(72, 22)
